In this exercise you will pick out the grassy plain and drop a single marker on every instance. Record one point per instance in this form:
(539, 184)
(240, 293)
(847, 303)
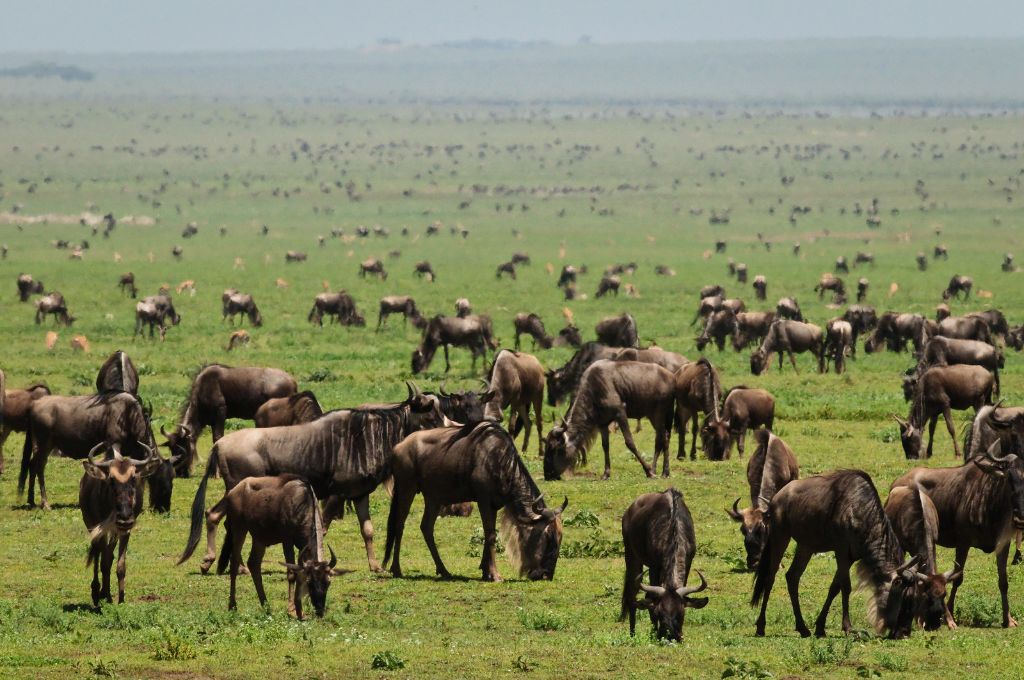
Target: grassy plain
(610, 185)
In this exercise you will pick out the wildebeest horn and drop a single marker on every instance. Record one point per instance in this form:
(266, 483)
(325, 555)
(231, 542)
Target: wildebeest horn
(92, 452)
(334, 558)
(690, 590)
(116, 448)
(151, 454)
(908, 569)
(440, 389)
(538, 500)
(163, 430)
(997, 447)
(734, 512)
(953, 573)
(899, 420)
(653, 590)
(565, 504)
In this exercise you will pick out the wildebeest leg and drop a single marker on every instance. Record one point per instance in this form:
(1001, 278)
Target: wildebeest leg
(780, 362)
(366, 529)
(516, 345)
(741, 439)
(630, 444)
(952, 431)
(792, 360)
(122, 565)
(1017, 536)
(840, 582)
(400, 505)
(255, 564)
(538, 407)
(213, 517)
(961, 562)
(431, 508)
(1004, 583)
(694, 424)
(523, 414)
(96, 548)
(447, 364)
(39, 467)
(236, 560)
(380, 320)
(777, 549)
(796, 569)
(108, 560)
(289, 557)
(488, 563)
(931, 434)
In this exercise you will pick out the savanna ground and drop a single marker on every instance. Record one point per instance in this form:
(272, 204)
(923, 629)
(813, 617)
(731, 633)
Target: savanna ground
(609, 185)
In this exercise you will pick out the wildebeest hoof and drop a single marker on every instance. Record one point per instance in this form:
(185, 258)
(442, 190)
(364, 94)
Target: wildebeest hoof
(444, 575)
(804, 632)
(1010, 623)
(650, 474)
(664, 475)
(607, 474)
(204, 568)
(1017, 558)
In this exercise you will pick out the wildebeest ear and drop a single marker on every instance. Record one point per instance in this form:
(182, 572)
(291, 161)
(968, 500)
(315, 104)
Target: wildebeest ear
(93, 470)
(696, 602)
(488, 396)
(643, 604)
(989, 466)
(291, 567)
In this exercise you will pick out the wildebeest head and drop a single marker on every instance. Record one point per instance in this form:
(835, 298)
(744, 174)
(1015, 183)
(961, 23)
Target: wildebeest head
(424, 409)
(419, 361)
(1011, 469)
(161, 486)
(123, 476)
(754, 527)
(758, 362)
(464, 407)
(534, 547)
(714, 436)
(906, 600)
(559, 454)
(558, 385)
(182, 447)
(931, 597)
(910, 437)
(313, 576)
(910, 379)
(668, 607)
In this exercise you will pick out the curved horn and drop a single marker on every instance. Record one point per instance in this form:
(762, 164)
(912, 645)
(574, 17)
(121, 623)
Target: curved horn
(997, 446)
(734, 512)
(657, 591)
(921, 578)
(163, 430)
(440, 389)
(151, 454)
(689, 590)
(408, 386)
(565, 504)
(334, 558)
(92, 452)
(953, 573)
(899, 420)
(909, 564)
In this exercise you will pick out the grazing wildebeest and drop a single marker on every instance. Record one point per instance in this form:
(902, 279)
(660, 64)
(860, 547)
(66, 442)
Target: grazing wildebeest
(664, 270)
(506, 268)
(772, 467)
(147, 312)
(671, 361)
(567, 276)
(220, 392)
(617, 331)
(787, 336)
(657, 532)
(841, 265)
(118, 374)
(344, 454)
(236, 303)
(915, 521)
(127, 284)
(751, 327)
(720, 246)
(473, 332)
(474, 463)
(720, 325)
(980, 504)
(613, 392)
(862, 289)
(922, 262)
(563, 381)
(741, 273)
(400, 304)
(893, 330)
(966, 328)
(864, 258)
(27, 287)
(943, 351)
(838, 343)
(708, 306)
(958, 284)
(862, 319)
(294, 256)
(711, 291)
(15, 408)
(828, 282)
(165, 308)
(609, 284)
(996, 321)
(74, 426)
(177, 252)
(788, 308)
(424, 269)
(697, 390)
(942, 312)
(516, 381)
(374, 267)
(340, 306)
(940, 252)
(840, 513)
(110, 498)
(53, 303)
(281, 509)
(1004, 424)
(742, 409)
(940, 389)
(532, 325)
(520, 258)
(571, 336)
(760, 287)
(301, 407)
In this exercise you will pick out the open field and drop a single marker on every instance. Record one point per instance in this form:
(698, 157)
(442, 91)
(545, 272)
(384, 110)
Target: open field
(610, 185)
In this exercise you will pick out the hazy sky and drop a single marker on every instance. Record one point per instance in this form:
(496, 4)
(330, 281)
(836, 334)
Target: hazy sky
(187, 25)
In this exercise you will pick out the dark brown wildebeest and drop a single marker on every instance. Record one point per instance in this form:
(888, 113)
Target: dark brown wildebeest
(235, 303)
(671, 361)
(735, 305)
(922, 262)
(1007, 265)
(74, 426)
(617, 331)
(474, 332)
(657, 532)
(571, 336)
(697, 390)
(664, 270)
(344, 454)
(110, 498)
(938, 390)
(741, 273)
(840, 513)
(165, 306)
(980, 504)
(841, 265)
(340, 306)
(424, 269)
(563, 381)
(372, 266)
(53, 303)
(190, 230)
(16, 404)
(127, 284)
(958, 284)
(751, 327)
(506, 268)
(27, 287)
(301, 407)
(708, 306)
(838, 343)
(828, 282)
(118, 374)
(720, 325)
(940, 251)
(997, 325)
(1004, 424)
(720, 246)
(516, 380)
(942, 312)
(893, 330)
(613, 392)
(177, 252)
(742, 409)
(220, 392)
(965, 328)
(294, 256)
(862, 319)
(609, 284)
(281, 509)
(520, 258)
(531, 325)
(1015, 338)
(788, 308)
(147, 313)
(915, 521)
(760, 287)
(864, 258)
(862, 289)
(567, 276)
(463, 308)
(474, 463)
(772, 467)
(711, 291)
(789, 337)
(943, 351)
(400, 304)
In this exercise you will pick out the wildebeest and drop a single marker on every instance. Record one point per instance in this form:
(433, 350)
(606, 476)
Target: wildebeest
(707, 306)
(996, 321)
(520, 258)
(340, 306)
(474, 463)
(958, 284)
(664, 270)
(27, 286)
(862, 289)
(399, 304)
(1004, 424)
(942, 312)
(424, 269)
(864, 258)
(838, 343)
(772, 467)
(922, 262)
(751, 327)
(841, 265)
(110, 498)
(516, 380)
(571, 336)
(788, 308)
(15, 407)
(147, 313)
(965, 328)
(741, 273)
(893, 330)
(281, 509)
(508, 268)
(840, 513)
(711, 291)
(613, 392)
(697, 390)
(53, 303)
(742, 409)
(567, 276)
(940, 251)
(862, 319)
(943, 351)
(118, 374)
(474, 332)
(720, 325)
(940, 389)
(787, 336)
(463, 308)
(1007, 265)
(980, 504)
(127, 284)
(760, 287)
(531, 325)
(345, 455)
(177, 252)
(828, 282)
(671, 361)
(609, 284)
(236, 303)
(301, 407)
(372, 266)
(617, 331)
(657, 532)
(295, 256)
(563, 381)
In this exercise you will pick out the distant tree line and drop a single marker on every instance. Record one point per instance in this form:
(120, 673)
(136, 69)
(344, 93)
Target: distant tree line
(47, 69)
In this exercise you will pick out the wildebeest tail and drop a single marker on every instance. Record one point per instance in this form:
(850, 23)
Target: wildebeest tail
(763, 576)
(199, 507)
(393, 521)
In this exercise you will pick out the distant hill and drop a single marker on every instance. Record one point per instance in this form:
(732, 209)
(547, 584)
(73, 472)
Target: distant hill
(41, 69)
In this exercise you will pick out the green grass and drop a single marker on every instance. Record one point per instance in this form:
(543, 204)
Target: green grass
(610, 185)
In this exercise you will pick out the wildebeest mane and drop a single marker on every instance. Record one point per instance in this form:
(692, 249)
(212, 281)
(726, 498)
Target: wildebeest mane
(581, 418)
(674, 530)
(305, 406)
(368, 437)
(710, 387)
